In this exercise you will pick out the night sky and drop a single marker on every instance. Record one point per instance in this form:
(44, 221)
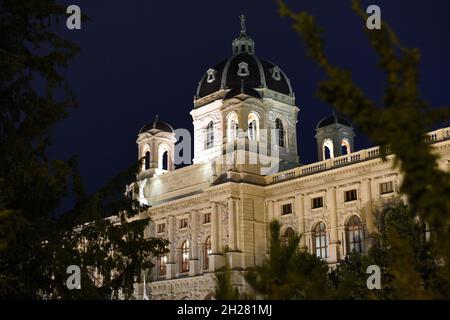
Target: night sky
(141, 58)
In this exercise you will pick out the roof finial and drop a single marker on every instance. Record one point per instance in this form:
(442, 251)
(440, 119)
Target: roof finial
(243, 27)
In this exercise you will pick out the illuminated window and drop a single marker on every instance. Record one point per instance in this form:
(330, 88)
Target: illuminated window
(253, 127)
(354, 235)
(207, 251)
(184, 257)
(232, 126)
(321, 241)
(161, 265)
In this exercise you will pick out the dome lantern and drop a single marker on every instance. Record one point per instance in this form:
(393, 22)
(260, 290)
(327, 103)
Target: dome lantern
(243, 43)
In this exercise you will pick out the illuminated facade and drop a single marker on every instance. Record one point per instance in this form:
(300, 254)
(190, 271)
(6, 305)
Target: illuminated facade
(213, 205)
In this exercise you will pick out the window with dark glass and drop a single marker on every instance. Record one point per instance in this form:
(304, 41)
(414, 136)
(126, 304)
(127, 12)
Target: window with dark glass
(317, 203)
(161, 228)
(183, 223)
(350, 195)
(209, 135)
(207, 218)
(147, 160)
(286, 208)
(280, 132)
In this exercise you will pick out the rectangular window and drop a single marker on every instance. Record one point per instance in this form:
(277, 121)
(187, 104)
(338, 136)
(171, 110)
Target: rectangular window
(161, 228)
(317, 203)
(286, 208)
(183, 223)
(350, 195)
(207, 218)
(386, 187)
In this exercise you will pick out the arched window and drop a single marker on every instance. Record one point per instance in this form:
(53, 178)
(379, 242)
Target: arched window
(281, 133)
(287, 236)
(345, 147)
(184, 257)
(163, 157)
(327, 149)
(165, 160)
(232, 126)
(209, 135)
(161, 265)
(354, 234)
(321, 241)
(253, 127)
(206, 253)
(147, 160)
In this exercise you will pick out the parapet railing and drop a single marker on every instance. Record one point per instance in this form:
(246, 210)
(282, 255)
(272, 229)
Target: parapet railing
(366, 154)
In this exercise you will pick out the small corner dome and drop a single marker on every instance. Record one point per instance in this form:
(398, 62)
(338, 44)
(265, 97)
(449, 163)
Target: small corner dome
(157, 125)
(333, 120)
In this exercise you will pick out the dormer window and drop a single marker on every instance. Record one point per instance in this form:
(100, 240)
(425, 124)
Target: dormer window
(243, 69)
(211, 75)
(275, 72)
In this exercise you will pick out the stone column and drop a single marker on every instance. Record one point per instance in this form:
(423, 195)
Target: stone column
(234, 256)
(366, 198)
(194, 261)
(231, 224)
(366, 195)
(299, 211)
(270, 211)
(216, 256)
(334, 238)
(171, 263)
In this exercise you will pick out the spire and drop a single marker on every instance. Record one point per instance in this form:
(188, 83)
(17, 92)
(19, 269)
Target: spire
(155, 121)
(243, 43)
(243, 27)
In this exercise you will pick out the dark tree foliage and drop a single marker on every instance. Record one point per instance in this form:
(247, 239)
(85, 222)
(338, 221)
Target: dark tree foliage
(399, 124)
(410, 269)
(36, 246)
(289, 273)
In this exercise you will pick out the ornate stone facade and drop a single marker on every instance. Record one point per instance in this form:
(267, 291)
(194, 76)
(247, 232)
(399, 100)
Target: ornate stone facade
(207, 207)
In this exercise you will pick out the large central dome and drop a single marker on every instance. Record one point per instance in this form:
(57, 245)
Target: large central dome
(244, 68)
